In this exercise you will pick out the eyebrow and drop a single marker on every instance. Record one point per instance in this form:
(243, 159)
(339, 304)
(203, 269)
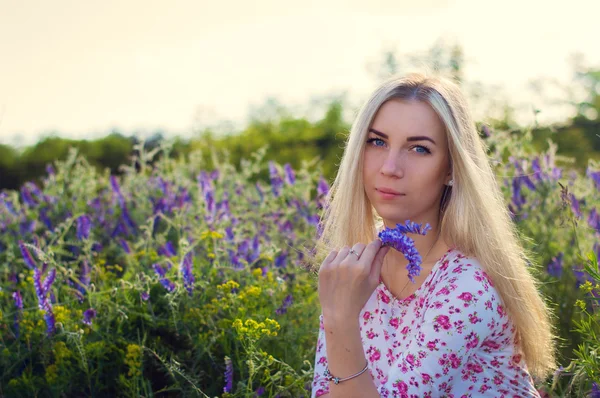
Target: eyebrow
(413, 138)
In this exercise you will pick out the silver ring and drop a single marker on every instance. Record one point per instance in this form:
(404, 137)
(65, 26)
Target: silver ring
(355, 253)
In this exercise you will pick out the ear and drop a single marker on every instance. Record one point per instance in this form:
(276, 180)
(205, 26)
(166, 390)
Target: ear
(448, 178)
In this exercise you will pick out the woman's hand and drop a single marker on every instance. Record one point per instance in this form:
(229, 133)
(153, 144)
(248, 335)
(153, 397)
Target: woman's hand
(346, 281)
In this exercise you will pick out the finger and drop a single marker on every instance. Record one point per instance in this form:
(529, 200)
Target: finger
(328, 259)
(378, 263)
(342, 254)
(370, 251)
(358, 249)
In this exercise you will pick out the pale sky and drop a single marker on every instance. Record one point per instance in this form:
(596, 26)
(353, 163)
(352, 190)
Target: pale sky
(83, 67)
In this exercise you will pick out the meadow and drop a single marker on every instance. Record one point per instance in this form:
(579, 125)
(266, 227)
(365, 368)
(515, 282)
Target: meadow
(178, 279)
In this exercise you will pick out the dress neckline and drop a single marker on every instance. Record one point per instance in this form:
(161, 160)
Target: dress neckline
(415, 294)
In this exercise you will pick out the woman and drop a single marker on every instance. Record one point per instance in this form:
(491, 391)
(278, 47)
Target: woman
(472, 323)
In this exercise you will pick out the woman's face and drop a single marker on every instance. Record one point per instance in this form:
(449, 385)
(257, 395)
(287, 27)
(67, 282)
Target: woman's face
(406, 152)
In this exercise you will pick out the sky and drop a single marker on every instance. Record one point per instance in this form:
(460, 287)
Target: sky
(84, 68)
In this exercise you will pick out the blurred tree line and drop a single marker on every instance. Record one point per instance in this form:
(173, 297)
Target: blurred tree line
(296, 139)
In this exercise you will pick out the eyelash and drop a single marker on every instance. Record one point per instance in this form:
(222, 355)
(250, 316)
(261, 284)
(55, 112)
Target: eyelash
(371, 140)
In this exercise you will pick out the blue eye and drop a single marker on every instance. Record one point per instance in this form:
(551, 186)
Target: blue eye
(424, 148)
(372, 140)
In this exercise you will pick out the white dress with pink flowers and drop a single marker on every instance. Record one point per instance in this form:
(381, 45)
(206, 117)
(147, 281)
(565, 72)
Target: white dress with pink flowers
(451, 338)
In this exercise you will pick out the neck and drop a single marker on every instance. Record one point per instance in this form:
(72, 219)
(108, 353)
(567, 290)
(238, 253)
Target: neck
(426, 246)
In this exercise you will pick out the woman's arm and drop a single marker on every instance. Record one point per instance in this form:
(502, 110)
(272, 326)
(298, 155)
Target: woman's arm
(346, 357)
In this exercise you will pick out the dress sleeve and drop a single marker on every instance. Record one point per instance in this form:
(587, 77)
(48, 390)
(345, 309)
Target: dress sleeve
(320, 385)
(461, 311)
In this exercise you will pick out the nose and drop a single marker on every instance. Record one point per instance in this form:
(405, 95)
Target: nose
(392, 165)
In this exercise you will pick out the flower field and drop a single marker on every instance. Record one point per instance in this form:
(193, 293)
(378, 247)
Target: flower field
(185, 277)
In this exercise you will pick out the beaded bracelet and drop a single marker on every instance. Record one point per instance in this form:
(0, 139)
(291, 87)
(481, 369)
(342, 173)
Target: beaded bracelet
(336, 380)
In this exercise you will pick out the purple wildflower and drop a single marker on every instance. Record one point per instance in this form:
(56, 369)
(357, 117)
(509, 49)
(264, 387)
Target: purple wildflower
(88, 315)
(557, 173)
(397, 239)
(19, 304)
(7, 203)
(261, 194)
(290, 176)
(594, 220)
(167, 284)
(27, 197)
(255, 254)
(208, 191)
(160, 271)
(117, 190)
(186, 268)
(84, 278)
(276, 181)
(486, 131)
(125, 246)
(50, 321)
(287, 302)
(39, 290)
(127, 218)
(287, 226)
(281, 260)
(45, 219)
(260, 391)
(313, 219)
(145, 296)
(229, 234)
(18, 300)
(228, 375)
(84, 225)
(581, 276)
(50, 170)
(528, 182)
(167, 250)
(595, 393)
(595, 176)
(537, 169)
(555, 267)
(49, 280)
(517, 197)
(29, 261)
(575, 206)
(27, 227)
(235, 259)
(322, 187)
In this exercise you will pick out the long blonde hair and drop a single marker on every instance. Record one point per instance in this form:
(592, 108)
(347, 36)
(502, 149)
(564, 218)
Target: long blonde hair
(475, 218)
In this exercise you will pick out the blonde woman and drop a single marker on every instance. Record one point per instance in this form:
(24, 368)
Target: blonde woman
(472, 323)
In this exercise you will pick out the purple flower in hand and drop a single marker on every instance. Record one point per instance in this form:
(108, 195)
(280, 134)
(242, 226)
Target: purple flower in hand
(397, 239)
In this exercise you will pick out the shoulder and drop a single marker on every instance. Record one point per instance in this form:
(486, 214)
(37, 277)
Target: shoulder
(457, 268)
(461, 283)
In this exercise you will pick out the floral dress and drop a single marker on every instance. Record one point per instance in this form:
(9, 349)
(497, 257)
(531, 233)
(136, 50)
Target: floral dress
(451, 338)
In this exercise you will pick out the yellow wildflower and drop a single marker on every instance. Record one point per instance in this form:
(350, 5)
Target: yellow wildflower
(61, 352)
(211, 234)
(228, 286)
(61, 314)
(257, 272)
(51, 373)
(133, 359)
(587, 287)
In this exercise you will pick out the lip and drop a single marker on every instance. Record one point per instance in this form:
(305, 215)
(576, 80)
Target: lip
(384, 194)
(389, 191)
